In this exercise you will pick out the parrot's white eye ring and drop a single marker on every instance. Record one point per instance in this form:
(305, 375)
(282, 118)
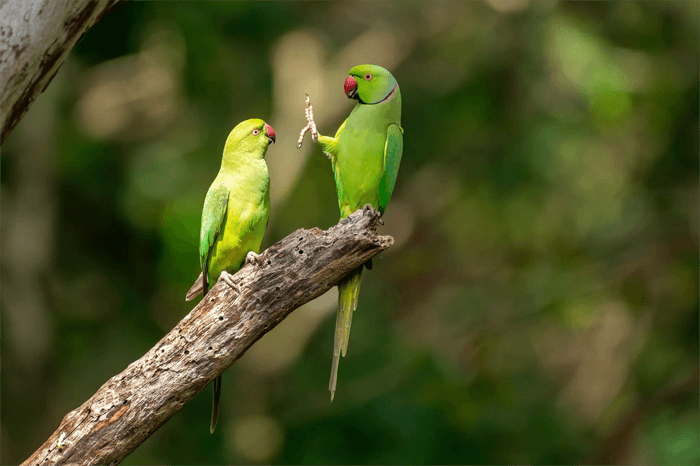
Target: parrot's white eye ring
(256, 131)
(368, 77)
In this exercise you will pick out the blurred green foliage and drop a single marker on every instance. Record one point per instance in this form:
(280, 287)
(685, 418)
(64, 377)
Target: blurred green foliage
(540, 304)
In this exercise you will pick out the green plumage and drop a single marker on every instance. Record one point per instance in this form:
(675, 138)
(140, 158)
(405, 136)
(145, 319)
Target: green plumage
(365, 154)
(236, 211)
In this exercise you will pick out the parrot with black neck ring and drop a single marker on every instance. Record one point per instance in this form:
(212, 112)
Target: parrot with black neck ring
(365, 154)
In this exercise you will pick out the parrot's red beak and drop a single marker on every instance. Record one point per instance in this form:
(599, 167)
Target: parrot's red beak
(350, 87)
(270, 133)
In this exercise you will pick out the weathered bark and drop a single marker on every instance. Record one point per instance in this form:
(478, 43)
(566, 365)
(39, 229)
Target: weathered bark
(127, 409)
(35, 38)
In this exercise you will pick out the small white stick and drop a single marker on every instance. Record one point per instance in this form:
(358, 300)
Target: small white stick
(301, 136)
(311, 125)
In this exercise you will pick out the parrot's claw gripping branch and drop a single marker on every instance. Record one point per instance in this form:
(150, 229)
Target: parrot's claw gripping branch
(132, 405)
(253, 258)
(310, 125)
(228, 279)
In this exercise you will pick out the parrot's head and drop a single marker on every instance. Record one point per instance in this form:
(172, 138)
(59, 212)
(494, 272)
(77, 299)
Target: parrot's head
(251, 136)
(370, 84)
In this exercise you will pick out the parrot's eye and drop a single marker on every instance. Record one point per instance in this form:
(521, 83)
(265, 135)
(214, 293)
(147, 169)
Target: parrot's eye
(368, 77)
(256, 132)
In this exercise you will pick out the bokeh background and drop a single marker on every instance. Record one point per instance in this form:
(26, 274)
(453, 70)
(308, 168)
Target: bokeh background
(540, 304)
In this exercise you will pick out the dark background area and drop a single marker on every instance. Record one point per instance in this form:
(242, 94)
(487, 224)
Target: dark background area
(540, 304)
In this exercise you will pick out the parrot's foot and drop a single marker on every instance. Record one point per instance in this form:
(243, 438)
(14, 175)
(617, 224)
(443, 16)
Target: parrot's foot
(368, 209)
(252, 258)
(228, 279)
(310, 125)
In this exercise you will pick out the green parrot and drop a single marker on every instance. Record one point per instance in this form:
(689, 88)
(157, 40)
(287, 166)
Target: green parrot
(365, 155)
(235, 215)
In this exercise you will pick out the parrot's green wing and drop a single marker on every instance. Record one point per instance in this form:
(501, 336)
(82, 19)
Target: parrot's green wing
(392, 158)
(213, 217)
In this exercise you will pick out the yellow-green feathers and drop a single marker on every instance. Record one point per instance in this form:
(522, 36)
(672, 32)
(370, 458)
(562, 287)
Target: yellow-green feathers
(236, 210)
(237, 206)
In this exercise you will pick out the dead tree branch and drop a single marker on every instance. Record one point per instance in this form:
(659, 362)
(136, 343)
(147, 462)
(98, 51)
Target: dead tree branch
(127, 409)
(35, 39)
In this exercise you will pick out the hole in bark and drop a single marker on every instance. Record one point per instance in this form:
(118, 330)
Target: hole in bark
(269, 262)
(301, 252)
(163, 350)
(187, 351)
(301, 238)
(277, 288)
(221, 317)
(211, 300)
(210, 348)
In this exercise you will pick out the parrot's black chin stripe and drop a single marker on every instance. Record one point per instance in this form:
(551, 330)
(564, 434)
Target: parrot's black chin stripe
(385, 99)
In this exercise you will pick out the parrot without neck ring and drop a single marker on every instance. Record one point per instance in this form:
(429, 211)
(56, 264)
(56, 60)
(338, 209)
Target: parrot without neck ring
(365, 155)
(235, 215)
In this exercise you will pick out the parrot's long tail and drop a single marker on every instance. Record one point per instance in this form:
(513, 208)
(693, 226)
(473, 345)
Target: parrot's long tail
(197, 288)
(215, 406)
(348, 292)
(217, 381)
(201, 287)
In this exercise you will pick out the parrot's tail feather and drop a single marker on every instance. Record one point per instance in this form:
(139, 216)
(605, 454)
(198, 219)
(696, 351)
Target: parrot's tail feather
(348, 293)
(215, 406)
(334, 374)
(201, 286)
(197, 288)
